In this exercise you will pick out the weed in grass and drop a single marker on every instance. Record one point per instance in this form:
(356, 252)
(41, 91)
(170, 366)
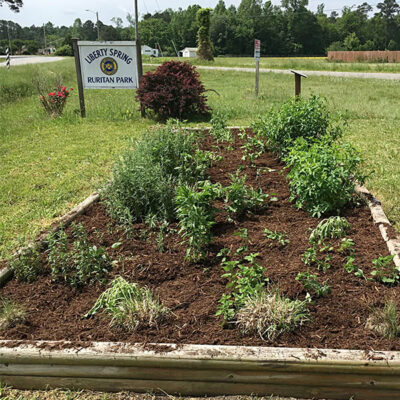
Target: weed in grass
(331, 228)
(280, 237)
(385, 271)
(269, 314)
(82, 264)
(129, 305)
(312, 284)
(11, 314)
(384, 321)
(195, 213)
(27, 265)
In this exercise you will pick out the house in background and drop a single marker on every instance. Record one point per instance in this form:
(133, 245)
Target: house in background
(188, 52)
(148, 51)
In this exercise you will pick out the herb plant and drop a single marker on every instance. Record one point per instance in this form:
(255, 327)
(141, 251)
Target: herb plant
(330, 228)
(385, 271)
(311, 283)
(280, 237)
(27, 265)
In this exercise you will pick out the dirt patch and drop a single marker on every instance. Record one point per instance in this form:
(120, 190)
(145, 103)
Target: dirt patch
(192, 291)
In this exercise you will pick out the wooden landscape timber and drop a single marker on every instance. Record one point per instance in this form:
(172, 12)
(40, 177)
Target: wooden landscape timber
(203, 370)
(198, 370)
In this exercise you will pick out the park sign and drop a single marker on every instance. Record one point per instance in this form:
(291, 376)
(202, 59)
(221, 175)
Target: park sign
(257, 49)
(108, 65)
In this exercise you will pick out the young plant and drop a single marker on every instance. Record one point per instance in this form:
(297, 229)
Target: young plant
(219, 130)
(27, 265)
(385, 271)
(346, 246)
(196, 216)
(240, 198)
(384, 321)
(310, 257)
(11, 314)
(331, 228)
(129, 305)
(245, 279)
(280, 237)
(352, 268)
(82, 264)
(269, 314)
(312, 284)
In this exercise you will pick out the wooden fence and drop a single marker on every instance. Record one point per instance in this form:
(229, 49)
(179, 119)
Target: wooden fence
(355, 56)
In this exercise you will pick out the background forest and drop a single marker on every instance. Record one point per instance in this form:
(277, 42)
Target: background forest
(288, 29)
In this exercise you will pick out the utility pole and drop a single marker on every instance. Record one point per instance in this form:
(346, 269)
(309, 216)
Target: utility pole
(98, 26)
(44, 34)
(9, 40)
(138, 46)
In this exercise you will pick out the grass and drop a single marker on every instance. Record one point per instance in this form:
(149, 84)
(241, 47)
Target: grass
(48, 166)
(299, 63)
(13, 394)
(10, 314)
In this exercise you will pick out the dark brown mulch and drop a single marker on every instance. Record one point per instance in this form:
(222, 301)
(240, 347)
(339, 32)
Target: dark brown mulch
(192, 291)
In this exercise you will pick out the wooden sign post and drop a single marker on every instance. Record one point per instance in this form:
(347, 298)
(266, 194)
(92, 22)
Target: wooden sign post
(79, 77)
(257, 54)
(297, 82)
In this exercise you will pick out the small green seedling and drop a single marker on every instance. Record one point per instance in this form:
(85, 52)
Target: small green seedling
(280, 237)
(311, 283)
(385, 271)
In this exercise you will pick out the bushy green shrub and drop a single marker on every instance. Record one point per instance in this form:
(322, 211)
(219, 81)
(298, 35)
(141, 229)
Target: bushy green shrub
(323, 176)
(79, 265)
(196, 215)
(305, 118)
(144, 178)
(27, 265)
(65, 50)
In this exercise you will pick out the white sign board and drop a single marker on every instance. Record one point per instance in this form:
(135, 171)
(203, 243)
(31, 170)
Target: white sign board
(257, 49)
(108, 65)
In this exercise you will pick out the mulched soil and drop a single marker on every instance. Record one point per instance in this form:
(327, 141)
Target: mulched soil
(192, 291)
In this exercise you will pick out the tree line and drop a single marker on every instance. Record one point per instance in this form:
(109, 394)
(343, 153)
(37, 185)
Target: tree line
(288, 29)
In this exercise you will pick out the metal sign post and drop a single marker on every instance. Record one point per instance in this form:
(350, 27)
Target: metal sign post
(8, 58)
(257, 54)
(105, 65)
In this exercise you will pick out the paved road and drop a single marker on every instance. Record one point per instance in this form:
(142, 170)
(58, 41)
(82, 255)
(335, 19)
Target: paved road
(22, 60)
(337, 74)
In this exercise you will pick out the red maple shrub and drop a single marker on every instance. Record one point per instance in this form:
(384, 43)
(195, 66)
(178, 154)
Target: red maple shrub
(173, 90)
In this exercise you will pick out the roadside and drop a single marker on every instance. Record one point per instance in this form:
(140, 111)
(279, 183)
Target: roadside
(23, 60)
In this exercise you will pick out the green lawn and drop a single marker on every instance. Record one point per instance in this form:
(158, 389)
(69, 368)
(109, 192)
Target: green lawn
(300, 63)
(47, 166)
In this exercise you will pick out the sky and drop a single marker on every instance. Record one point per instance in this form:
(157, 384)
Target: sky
(64, 12)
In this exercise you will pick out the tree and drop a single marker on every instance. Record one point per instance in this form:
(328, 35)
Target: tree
(14, 5)
(204, 51)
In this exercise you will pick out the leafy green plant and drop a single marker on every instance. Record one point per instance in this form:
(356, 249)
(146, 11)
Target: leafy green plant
(196, 215)
(297, 118)
(269, 314)
(253, 148)
(385, 271)
(219, 129)
(82, 263)
(11, 314)
(311, 283)
(129, 305)
(330, 228)
(280, 237)
(346, 246)
(384, 321)
(240, 198)
(27, 265)
(322, 176)
(244, 279)
(310, 257)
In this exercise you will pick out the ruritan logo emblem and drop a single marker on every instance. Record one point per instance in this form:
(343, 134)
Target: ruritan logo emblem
(108, 66)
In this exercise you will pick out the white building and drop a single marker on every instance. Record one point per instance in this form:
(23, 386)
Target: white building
(188, 52)
(148, 51)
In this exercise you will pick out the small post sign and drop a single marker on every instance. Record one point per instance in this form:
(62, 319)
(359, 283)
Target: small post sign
(105, 65)
(257, 54)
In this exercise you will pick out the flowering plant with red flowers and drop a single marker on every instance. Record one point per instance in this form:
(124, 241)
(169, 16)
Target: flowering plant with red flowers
(55, 101)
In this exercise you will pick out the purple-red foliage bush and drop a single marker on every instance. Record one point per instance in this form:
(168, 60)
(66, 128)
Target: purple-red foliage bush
(173, 90)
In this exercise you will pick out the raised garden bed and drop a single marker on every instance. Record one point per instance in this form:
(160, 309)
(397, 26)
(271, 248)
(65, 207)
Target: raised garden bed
(192, 292)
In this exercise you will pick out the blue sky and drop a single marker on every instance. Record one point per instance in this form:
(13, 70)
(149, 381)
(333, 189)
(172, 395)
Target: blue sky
(64, 12)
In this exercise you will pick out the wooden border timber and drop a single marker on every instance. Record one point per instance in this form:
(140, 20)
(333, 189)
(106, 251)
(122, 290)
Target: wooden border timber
(204, 370)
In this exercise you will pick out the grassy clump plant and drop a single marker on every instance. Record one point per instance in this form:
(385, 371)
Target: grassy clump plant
(384, 321)
(79, 264)
(11, 314)
(145, 177)
(129, 305)
(269, 314)
(297, 118)
(322, 176)
(27, 265)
